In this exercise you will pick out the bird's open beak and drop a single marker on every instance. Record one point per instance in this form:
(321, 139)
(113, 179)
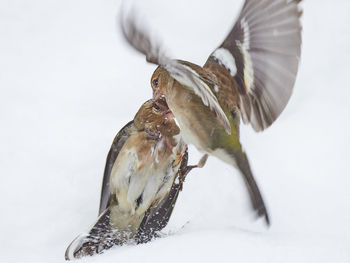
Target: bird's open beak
(168, 114)
(156, 95)
(161, 101)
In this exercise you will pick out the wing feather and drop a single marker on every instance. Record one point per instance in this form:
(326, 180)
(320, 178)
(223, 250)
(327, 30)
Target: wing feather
(117, 144)
(265, 42)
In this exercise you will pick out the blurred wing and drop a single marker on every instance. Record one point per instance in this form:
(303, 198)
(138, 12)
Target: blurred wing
(262, 54)
(117, 144)
(140, 39)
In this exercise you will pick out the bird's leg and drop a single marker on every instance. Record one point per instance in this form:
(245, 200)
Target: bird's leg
(202, 161)
(188, 168)
(200, 164)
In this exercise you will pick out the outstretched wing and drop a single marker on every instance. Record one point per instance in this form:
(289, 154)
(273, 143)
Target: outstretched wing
(262, 54)
(117, 144)
(139, 38)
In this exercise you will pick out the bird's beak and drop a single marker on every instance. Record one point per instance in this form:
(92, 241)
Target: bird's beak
(161, 101)
(168, 114)
(156, 95)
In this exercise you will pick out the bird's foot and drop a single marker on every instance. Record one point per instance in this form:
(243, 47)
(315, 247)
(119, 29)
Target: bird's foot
(200, 164)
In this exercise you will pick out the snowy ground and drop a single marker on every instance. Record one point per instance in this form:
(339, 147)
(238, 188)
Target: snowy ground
(68, 83)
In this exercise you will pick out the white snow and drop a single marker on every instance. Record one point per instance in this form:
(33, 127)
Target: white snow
(68, 84)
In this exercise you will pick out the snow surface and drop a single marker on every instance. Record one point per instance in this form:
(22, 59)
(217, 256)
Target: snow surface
(68, 83)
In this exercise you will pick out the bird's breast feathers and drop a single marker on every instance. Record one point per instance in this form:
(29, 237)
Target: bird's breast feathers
(144, 173)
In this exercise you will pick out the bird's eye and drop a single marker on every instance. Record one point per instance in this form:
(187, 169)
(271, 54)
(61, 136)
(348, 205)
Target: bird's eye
(156, 107)
(155, 82)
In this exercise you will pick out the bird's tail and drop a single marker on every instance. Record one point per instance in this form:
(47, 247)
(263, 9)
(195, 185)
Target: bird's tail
(242, 163)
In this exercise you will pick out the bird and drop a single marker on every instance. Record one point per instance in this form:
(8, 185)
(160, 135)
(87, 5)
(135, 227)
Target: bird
(139, 190)
(249, 77)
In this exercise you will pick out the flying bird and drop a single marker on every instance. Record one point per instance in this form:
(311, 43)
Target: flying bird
(250, 76)
(139, 190)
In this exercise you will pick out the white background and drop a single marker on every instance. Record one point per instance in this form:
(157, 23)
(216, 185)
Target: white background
(68, 83)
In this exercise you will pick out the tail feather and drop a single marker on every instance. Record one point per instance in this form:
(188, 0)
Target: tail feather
(256, 198)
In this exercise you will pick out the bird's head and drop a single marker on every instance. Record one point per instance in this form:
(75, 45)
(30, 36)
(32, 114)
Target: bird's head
(161, 81)
(156, 118)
